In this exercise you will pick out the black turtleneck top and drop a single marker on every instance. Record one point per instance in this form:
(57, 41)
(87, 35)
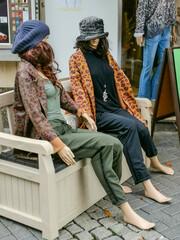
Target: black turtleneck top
(102, 75)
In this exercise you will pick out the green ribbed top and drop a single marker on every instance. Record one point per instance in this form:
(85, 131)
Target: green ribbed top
(53, 102)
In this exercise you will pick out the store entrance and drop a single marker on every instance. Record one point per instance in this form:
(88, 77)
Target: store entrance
(131, 54)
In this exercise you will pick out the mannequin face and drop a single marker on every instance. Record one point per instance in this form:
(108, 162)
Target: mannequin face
(46, 38)
(94, 43)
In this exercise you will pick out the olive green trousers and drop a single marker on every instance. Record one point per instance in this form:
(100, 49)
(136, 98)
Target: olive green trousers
(105, 152)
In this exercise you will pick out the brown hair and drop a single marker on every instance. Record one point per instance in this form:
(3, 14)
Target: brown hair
(42, 58)
(101, 50)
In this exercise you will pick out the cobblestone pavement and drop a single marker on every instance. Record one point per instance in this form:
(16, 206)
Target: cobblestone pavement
(96, 224)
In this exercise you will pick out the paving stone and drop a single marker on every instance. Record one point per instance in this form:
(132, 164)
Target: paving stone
(101, 233)
(138, 187)
(177, 180)
(176, 198)
(74, 228)
(9, 237)
(3, 231)
(154, 207)
(6, 222)
(133, 228)
(68, 224)
(36, 233)
(172, 209)
(89, 225)
(104, 204)
(151, 235)
(167, 182)
(120, 229)
(84, 236)
(132, 236)
(149, 217)
(114, 211)
(113, 238)
(81, 218)
(19, 231)
(177, 216)
(173, 232)
(108, 222)
(92, 209)
(29, 238)
(137, 204)
(159, 186)
(171, 191)
(64, 235)
(160, 227)
(119, 217)
(98, 214)
(162, 238)
(168, 220)
(130, 181)
(131, 197)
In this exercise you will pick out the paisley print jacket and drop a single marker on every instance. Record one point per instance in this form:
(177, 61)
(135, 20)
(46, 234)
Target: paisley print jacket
(30, 106)
(83, 91)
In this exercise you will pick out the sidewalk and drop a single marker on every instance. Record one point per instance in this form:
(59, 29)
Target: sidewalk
(96, 224)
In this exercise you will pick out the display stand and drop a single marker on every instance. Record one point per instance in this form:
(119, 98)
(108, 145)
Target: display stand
(167, 102)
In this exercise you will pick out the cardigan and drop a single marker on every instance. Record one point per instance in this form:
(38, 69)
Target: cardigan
(83, 91)
(30, 106)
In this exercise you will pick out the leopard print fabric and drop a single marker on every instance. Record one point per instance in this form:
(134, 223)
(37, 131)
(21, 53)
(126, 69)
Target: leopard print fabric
(83, 91)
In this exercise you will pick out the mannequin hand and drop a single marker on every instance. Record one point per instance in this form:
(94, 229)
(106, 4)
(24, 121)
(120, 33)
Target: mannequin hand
(139, 40)
(89, 122)
(67, 155)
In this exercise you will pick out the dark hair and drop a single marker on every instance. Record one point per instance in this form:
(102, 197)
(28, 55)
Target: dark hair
(101, 50)
(42, 58)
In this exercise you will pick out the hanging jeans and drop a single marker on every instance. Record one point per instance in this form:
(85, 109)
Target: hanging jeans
(133, 134)
(105, 153)
(148, 83)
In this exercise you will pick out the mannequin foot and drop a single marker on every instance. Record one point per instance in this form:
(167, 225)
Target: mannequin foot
(162, 168)
(133, 218)
(154, 194)
(126, 189)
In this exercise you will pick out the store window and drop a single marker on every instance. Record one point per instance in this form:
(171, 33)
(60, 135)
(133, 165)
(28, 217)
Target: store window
(131, 54)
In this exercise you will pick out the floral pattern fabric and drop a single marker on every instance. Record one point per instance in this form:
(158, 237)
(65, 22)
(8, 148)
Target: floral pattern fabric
(30, 104)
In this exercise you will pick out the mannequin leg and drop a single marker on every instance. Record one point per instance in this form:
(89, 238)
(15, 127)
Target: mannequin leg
(153, 193)
(133, 218)
(158, 166)
(126, 189)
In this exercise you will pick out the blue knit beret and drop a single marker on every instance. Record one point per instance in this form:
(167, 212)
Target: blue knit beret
(28, 35)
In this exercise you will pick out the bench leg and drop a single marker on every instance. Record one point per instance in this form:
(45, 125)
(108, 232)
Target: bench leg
(48, 198)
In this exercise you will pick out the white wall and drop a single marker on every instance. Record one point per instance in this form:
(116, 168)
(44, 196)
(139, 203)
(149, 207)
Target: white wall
(64, 27)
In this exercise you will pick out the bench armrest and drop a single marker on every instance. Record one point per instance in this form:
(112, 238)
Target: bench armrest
(144, 105)
(143, 102)
(26, 144)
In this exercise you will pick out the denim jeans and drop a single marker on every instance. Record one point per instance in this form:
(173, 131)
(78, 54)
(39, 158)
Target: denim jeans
(148, 82)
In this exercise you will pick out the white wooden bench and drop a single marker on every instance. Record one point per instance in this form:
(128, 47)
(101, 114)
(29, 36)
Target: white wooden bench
(46, 195)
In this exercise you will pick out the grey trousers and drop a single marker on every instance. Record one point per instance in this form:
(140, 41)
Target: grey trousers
(105, 152)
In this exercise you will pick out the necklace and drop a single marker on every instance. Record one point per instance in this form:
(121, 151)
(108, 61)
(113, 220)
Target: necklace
(105, 94)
